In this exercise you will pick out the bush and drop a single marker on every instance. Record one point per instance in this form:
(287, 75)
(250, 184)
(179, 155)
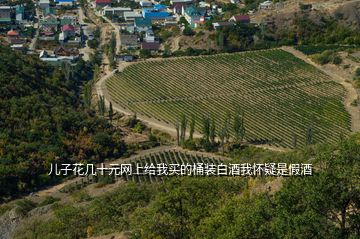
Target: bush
(48, 200)
(188, 31)
(24, 206)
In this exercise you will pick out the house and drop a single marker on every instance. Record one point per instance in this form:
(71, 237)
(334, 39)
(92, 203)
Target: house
(220, 25)
(149, 36)
(62, 51)
(177, 8)
(68, 30)
(145, 3)
(19, 11)
(55, 60)
(126, 58)
(265, 5)
(68, 20)
(49, 21)
(44, 4)
(128, 41)
(152, 46)
(14, 38)
(5, 14)
(244, 19)
(49, 11)
(115, 11)
(131, 16)
(181, 1)
(142, 24)
(68, 3)
(157, 12)
(102, 3)
(194, 15)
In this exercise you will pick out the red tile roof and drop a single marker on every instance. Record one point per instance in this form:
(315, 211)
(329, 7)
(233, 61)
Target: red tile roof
(12, 33)
(68, 27)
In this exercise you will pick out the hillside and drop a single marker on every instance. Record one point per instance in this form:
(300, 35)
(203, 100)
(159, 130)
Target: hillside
(43, 121)
(324, 205)
(280, 96)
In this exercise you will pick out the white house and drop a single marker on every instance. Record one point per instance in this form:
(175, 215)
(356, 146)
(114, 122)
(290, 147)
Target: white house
(149, 36)
(115, 11)
(131, 16)
(265, 5)
(145, 3)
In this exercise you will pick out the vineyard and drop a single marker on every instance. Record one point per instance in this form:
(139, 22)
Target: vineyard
(281, 96)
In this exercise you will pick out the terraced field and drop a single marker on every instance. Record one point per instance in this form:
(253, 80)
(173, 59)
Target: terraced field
(281, 95)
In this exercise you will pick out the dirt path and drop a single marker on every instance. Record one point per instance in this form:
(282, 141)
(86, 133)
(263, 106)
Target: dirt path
(351, 95)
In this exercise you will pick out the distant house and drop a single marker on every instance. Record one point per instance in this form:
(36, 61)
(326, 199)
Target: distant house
(19, 11)
(145, 3)
(55, 60)
(115, 11)
(65, 2)
(68, 30)
(126, 58)
(5, 14)
(194, 15)
(157, 12)
(131, 16)
(44, 4)
(49, 21)
(149, 36)
(14, 37)
(244, 19)
(62, 51)
(177, 8)
(128, 41)
(220, 25)
(102, 3)
(152, 46)
(180, 1)
(68, 20)
(142, 24)
(266, 5)
(48, 11)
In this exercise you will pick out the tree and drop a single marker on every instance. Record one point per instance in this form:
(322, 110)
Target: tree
(192, 127)
(177, 128)
(101, 105)
(212, 134)
(239, 127)
(188, 31)
(183, 125)
(309, 136)
(222, 134)
(206, 129)
(111, 112)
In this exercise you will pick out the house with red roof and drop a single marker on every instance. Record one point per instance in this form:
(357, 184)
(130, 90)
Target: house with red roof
(244, 19)
(14, 38)
(102, 3)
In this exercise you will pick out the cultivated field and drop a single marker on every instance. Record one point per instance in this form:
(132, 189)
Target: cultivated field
(281, 96)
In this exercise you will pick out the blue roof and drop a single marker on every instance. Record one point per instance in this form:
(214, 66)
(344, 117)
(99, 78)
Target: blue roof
(64, 1)
(159, 7)
(143, 22)
(153, 14)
